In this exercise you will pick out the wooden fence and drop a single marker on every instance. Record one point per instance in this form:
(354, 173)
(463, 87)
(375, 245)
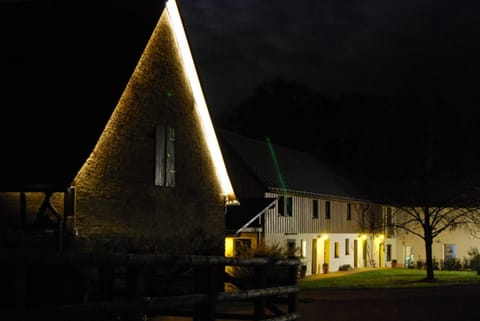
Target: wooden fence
(143, 287)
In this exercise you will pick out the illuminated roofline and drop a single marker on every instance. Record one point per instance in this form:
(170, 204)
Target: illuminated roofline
(200, 103)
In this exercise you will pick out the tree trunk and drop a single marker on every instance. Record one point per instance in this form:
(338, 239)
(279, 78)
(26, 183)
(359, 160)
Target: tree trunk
(429, 258)
(428, 245)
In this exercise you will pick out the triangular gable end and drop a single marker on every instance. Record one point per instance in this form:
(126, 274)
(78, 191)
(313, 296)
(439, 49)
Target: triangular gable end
(172, 16)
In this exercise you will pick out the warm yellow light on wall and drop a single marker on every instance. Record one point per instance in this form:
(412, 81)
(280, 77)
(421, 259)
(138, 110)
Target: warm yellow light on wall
(229, 246)
(200, 103)
(363, 236)
(324, 237)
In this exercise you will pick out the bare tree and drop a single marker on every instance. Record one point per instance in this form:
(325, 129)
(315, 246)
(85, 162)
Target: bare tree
(427, 216)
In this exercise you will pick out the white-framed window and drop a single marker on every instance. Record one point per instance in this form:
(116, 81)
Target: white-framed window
(164, 156)
(285, 206)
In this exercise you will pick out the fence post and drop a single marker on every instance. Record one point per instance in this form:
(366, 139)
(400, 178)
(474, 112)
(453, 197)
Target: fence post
(135, 288)
(260, 282)
(106, 281)
(205, 283)
(292, 279)
(20, 285)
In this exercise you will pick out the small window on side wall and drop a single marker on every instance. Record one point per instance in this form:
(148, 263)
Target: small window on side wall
(315, 208)
(337, 249)
(285, 206)
(164, 156)
(327, 210)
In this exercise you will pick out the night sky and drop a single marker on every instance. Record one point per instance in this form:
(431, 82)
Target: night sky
(377, 47)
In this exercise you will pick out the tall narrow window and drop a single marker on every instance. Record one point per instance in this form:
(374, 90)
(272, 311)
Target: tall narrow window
(388, 252)
(315, 208)
(327, 210)
(164, 156)
(337, 249)
(347, 246)
(285, 206)
(349, 211)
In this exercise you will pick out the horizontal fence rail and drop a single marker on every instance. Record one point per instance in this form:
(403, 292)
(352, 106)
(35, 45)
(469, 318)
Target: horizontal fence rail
(139, 287)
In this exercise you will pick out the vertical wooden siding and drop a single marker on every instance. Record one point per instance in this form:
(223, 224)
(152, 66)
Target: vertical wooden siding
(302, 220)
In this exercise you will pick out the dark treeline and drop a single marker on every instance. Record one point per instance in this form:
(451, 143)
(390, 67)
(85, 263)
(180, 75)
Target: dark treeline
(370, 138)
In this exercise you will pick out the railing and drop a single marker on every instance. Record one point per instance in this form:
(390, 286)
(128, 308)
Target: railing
(134, 287)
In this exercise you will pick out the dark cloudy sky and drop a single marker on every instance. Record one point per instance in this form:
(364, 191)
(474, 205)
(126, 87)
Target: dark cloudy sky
(381, 47)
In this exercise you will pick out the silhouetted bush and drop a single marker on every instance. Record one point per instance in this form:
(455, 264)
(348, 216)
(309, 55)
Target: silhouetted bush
(474, 260)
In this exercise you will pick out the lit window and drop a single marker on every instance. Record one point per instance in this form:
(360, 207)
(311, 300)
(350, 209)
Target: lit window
(164, 156)
(304, 248)
(450, 251)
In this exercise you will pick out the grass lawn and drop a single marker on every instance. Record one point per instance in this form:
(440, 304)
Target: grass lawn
(390, 278)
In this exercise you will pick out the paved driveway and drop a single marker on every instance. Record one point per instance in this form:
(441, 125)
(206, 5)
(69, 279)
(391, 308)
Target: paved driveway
(420, 304)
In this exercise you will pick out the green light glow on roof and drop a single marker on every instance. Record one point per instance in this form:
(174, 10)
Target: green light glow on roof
(277, 166)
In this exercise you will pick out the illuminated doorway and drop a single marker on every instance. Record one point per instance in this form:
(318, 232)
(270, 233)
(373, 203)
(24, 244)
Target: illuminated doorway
(314, 256)
(326, 251)
(355, 253)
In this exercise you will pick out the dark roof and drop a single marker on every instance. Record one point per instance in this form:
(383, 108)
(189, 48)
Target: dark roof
(301, 172)
(64, 66)
(237, 216)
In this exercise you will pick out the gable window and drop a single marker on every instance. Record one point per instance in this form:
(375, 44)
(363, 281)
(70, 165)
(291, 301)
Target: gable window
(315, 208)
(164, 156)
(327, 210)
(285, 206)
(349, 211)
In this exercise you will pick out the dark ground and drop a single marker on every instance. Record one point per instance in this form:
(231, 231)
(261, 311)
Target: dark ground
(460, 303)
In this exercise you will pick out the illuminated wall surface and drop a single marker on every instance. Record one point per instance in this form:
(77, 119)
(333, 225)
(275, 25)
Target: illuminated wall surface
(116, 195)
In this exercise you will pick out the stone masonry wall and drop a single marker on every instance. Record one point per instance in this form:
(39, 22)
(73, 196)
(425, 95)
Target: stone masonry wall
(118, 206)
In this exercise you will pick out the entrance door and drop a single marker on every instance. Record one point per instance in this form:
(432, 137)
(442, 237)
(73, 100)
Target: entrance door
(355, 253)
(326, 251)
(314, 256)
